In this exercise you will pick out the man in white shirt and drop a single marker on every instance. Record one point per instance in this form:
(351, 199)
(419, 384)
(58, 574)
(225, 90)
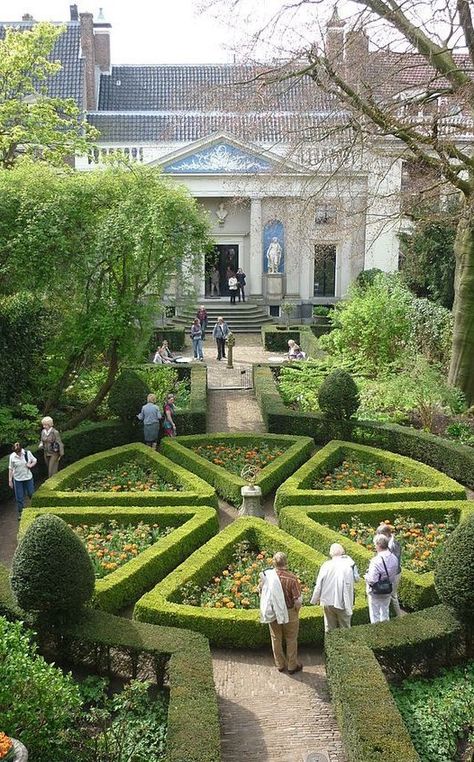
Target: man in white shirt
(20, 478)
(335, 588)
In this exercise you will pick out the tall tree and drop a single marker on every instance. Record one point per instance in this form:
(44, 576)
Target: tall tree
(417, 104)
(32, 123)
(101, 249)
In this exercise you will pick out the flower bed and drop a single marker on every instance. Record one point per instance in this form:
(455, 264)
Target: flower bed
(236, 627)
(66, 487)
(191, 527)
(320, 525)
(7, 752)
(111, 545)
(424, 482)
(234, 458)
(128, 477)
(228, 483)
(420, 543)
(237, 585)
(354, 474)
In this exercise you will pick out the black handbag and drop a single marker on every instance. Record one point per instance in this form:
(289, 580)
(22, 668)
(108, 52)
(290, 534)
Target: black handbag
(382, 586)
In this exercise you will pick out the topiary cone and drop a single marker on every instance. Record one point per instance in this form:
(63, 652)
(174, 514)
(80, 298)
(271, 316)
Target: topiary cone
(454, 571)
(52, 574)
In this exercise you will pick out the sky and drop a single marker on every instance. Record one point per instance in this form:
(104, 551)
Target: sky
(145, 31)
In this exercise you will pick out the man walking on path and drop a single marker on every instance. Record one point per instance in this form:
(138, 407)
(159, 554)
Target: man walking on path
(280, 602)
(335, 589)
(220, 333)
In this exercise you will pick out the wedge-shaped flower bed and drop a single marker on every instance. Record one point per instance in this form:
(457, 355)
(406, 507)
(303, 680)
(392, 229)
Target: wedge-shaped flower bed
(227, 453)
(66, 487)
(230, 626)
(421, 482)
(319, 526)
(125, 585)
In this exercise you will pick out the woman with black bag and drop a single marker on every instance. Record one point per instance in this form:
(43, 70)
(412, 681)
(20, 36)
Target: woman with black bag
(380, 577)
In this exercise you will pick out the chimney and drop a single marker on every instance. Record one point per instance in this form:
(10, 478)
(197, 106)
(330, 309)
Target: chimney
(335, 38)
(73, 13)
(88, 54)
(357, 54)
(102, 43)
(27, 17)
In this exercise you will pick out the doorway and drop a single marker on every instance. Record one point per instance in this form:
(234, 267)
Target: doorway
(225, 258)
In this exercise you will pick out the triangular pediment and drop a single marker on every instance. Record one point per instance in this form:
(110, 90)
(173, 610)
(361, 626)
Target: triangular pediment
(222, 154)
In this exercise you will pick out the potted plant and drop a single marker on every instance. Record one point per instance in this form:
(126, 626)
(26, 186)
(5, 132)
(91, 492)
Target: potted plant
(321, 314)
(287, 309)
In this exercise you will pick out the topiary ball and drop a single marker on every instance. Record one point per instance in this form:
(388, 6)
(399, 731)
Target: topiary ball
(454, 571)
(127, 395)
(338, 395)
(366, 278)
(52, 574)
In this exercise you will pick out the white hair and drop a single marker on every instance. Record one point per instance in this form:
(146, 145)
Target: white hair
(381, 541)
(47, 421)
(280, 560)
(336, 549)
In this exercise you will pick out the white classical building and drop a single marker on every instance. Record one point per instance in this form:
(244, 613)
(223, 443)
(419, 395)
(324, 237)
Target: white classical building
(266, 163)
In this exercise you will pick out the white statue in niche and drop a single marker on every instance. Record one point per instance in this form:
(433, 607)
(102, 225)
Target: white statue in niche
(221, 213)
(274, 253)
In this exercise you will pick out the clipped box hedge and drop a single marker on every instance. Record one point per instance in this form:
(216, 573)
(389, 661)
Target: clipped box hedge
(174, 336)
(231, 627)
(296, 490)
(193, 720)
(318, 527)
(227, 484)
(194, 526)
(372, 727)
(275, 338)
(455, 460)
(55, 490)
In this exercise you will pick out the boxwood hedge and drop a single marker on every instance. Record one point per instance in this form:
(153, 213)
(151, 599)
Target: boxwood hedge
(227, 484)
(318, 527)
(54, 491)
(194, 526)
(193, 720)
(297, 489)
(455, 460)
(371, 725)
(231, 627)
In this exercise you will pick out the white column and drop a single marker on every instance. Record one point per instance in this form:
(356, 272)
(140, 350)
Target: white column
(255, 280)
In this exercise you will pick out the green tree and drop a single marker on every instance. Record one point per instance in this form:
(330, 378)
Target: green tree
(32, 123)
(101, 248)
(414, 107)
(428, 260)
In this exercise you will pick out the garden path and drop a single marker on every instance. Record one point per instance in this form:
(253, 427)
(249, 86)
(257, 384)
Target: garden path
(265, 715)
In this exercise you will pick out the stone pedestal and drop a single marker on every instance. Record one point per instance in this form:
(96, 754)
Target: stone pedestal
(274, 287)
(251, 502)
(21, 754)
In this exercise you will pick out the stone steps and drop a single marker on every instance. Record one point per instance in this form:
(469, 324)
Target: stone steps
(243, 317)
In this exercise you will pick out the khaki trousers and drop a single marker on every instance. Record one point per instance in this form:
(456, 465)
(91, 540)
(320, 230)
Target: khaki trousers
(289, 633)
(52, 462)
(336, 619)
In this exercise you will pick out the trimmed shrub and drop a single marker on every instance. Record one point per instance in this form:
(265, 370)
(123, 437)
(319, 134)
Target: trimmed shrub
(59, 489)
(366, 277)
(227, 484)
(338, 396)
(230, 627)
(127, 395)
(52, 574)
(454, 572)
(39, 703)
(361, 696)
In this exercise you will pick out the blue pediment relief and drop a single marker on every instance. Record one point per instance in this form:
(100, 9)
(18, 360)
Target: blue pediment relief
(219, 158)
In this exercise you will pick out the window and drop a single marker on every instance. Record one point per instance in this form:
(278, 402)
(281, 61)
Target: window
(325, 214)
(324, 270)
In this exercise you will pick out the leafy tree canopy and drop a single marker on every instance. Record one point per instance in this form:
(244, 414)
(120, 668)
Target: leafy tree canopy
(32, 123)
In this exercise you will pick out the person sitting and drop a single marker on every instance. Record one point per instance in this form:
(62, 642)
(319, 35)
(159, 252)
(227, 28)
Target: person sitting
(164, 355)
(294, 351)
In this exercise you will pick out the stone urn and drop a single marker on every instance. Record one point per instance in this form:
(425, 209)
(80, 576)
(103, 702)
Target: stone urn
(20, 751)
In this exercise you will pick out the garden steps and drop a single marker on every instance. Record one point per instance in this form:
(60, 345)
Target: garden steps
(246, 317)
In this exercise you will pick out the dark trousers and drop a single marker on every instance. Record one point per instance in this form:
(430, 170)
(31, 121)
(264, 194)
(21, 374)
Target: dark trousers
(220, 348)
(22, 489)
(233, 294)
(242, 293)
